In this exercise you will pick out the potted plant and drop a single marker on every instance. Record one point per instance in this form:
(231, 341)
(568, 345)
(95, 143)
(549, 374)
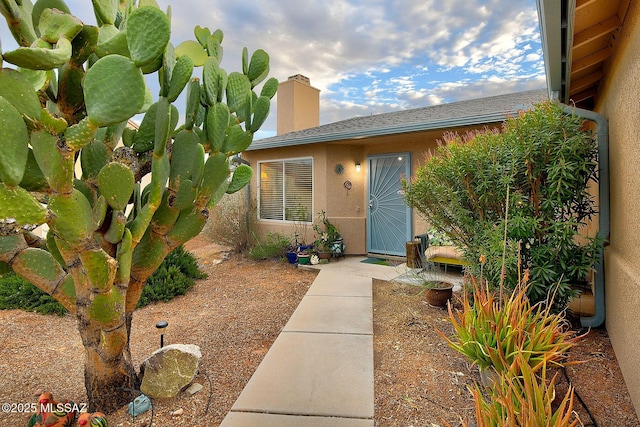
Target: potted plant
(328, 240)
(292, 255)
(304, 258)
(294, 249)
(437, 292)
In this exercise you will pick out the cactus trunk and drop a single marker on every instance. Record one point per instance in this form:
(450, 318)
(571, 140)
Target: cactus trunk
(109, 374)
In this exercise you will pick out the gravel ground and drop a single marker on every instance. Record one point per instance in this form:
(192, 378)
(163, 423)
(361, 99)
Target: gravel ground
(225, 315)
(237, 313)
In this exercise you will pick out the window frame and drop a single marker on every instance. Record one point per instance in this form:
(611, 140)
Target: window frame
(283, 161)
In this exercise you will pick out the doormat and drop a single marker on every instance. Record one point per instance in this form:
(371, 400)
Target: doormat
(381, 261)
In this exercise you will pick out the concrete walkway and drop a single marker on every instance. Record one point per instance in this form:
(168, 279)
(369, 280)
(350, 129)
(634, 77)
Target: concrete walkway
(319, 371)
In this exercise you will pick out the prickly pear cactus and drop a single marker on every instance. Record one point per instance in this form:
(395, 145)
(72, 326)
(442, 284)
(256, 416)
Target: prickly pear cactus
(115, 197)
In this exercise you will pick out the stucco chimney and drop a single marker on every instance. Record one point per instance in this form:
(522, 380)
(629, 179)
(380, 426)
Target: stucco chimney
(298, 105)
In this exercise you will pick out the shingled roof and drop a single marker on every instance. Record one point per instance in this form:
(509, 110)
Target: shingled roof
(463, 113)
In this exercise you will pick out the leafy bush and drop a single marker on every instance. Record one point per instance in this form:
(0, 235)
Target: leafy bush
(547, 160)
(174, 277)
(274, 245)
(17, 293)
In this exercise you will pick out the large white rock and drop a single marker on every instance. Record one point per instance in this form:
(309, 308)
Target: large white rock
(169, 370)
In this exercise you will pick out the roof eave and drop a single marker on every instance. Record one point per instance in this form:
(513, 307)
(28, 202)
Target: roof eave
(556, 32)
(381, 131)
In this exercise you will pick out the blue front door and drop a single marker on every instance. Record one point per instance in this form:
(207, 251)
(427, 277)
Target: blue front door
(388, 216)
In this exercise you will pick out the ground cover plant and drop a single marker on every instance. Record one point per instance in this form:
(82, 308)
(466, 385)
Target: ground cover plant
(66, 99)
(272, 245)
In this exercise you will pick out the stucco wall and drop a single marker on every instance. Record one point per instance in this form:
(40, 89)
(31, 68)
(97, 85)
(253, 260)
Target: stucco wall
(620, 103)
(346, 208)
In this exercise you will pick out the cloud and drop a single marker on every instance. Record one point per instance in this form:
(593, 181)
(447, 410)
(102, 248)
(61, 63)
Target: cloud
(371, 56)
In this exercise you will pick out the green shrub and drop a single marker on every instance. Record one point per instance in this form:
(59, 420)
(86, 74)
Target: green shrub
(174, 277)
(17, 293)
(547, 160)
(274, 245)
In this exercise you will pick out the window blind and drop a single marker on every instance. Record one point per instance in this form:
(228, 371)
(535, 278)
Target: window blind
(286, 190)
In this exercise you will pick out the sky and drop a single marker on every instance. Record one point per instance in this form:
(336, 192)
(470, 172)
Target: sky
(371, 56)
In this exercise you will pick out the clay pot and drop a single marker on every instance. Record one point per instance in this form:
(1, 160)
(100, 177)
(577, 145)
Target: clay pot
(439, 294)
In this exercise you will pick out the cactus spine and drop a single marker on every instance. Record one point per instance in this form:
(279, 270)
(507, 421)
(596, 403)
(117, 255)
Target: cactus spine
(66, 95)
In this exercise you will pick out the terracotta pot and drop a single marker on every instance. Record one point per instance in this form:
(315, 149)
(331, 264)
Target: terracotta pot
(324, 255)
(438, 296)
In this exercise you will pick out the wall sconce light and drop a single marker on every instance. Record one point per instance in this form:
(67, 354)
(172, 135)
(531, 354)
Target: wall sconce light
(357, 167)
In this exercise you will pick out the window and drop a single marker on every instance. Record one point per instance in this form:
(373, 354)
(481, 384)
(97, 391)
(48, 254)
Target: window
(286, 190)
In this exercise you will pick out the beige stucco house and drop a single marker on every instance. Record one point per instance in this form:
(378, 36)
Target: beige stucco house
(352, 169)
(592, 58)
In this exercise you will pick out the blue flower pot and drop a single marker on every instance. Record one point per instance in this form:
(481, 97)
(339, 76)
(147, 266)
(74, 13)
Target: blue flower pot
(292, 257)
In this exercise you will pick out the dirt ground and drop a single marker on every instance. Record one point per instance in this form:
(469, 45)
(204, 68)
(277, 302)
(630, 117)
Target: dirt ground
(236, 314)
(420, 381)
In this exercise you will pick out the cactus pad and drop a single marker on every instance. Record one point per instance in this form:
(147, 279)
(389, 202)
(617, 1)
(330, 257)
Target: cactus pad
(38, 263)
(180, 77)
(116, 183)
(19, 210)
(217, 123)
(258, 67)
(106, 10)
(238, 86)
(18, 90)
(40, 58)
(148, 33)
(193, 50)
(72, 217)
(193, 103)
(15, 139)
(241, 177)
(216, 170)
(55, 25)
(99, 267)
(260, 112)
(269, 88)
(237, 140)
(182, 155)
(56, 167)
(107, 308)
(33, 179)
(114, 90)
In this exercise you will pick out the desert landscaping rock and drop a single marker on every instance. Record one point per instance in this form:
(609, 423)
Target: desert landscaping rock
(169, 370)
